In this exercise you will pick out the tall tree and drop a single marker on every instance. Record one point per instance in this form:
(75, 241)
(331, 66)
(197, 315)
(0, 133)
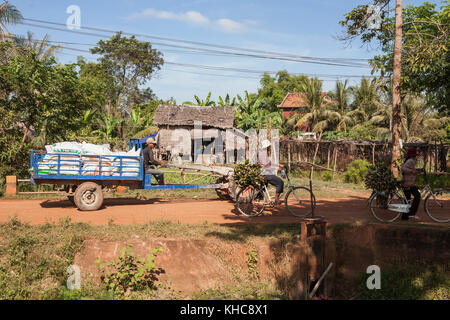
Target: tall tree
(9, 14)
(130, 63)
(396, 98)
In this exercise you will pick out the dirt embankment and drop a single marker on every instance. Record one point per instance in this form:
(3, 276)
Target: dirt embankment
(192, 265)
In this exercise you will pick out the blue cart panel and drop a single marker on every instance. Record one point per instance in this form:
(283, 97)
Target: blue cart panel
(68, 166)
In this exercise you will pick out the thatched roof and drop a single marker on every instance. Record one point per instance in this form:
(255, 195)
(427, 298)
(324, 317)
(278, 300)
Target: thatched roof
(216, 117)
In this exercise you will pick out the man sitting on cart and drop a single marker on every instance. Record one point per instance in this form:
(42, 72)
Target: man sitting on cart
(150, 162)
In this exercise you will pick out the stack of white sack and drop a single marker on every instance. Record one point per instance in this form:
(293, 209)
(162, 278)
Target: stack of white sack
(93, 160)
(69, 158)
(130, 166)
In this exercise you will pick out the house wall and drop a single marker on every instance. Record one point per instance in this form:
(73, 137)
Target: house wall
(186, 140)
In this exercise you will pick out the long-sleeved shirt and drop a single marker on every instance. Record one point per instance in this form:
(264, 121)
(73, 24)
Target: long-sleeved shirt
(409, 173)
(149, 159)
(264, 160)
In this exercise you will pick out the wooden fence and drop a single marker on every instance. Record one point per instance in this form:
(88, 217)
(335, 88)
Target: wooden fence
(338, 154)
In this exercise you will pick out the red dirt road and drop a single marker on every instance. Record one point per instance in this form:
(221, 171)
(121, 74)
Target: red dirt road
(132, 211)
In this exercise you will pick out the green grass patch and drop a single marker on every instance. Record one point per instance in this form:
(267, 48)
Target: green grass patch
(409, 282)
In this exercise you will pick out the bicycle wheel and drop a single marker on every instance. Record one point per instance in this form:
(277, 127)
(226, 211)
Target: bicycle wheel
(381, 207)
(251, 201)
(437, 205)
(298, 202)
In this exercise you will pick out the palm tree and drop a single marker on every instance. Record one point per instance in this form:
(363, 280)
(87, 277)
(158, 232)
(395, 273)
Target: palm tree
(42, 47)
(319, 117)
(366, 97)
(9, 14)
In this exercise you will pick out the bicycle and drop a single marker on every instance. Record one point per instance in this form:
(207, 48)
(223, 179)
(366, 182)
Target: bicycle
(299, 200)
(389, 208)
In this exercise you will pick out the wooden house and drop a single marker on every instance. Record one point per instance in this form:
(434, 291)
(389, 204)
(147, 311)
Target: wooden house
(196, 133)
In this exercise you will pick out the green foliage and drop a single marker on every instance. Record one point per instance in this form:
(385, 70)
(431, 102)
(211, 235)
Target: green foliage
(380, 178)
(435, 180)
(275, 89)
(327, 176)
(425, 52)
(252, 263)
(130, 63)
(248, 174)
(145, 133)
(356, 171)
(34, 260)
(129, 272)
(412, 282)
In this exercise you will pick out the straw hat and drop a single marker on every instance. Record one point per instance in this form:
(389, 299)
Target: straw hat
(150, 141)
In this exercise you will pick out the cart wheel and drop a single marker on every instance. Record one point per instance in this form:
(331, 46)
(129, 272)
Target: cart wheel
(88, 196)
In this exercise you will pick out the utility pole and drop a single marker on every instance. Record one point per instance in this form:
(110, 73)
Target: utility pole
(396, 99)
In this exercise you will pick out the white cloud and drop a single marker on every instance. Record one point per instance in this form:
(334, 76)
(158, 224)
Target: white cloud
(230, 26)
(194, 17)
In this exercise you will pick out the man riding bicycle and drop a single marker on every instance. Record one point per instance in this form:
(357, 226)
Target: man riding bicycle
(409, 172)
(269, 171)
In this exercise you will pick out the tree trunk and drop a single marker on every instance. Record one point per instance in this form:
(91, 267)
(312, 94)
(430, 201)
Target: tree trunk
(396, 100)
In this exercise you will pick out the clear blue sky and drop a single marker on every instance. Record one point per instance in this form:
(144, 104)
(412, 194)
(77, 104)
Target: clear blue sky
(297, 27)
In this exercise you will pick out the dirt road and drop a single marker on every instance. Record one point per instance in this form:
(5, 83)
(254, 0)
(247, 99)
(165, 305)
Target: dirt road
(132, 211)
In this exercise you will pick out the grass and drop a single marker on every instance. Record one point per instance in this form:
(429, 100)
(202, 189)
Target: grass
(34, 260)
(407, 282)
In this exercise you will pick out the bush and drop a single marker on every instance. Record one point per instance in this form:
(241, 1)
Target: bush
(130, 273)
(357, 171)
(246, 174)
(327, 176)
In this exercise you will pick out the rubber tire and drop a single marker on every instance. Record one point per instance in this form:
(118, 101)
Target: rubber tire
(250, 215)
(430, 198)
(310, 193)
(374, 198)
(97, 193)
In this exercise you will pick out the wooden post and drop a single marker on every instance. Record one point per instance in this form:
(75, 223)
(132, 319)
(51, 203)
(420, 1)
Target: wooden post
(328, 157)
(435, 157)
(11, 185)
(289, 156)
(183, 176)
(373, 154)
(335, 159)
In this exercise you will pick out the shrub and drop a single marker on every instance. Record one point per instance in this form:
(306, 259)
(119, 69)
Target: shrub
(327, 176)
(246, 174)
(130, 273)
(357, 171)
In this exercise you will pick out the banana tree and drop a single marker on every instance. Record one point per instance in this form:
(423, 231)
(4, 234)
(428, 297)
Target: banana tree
(227, 101)
(199, 102)
(107, 124)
